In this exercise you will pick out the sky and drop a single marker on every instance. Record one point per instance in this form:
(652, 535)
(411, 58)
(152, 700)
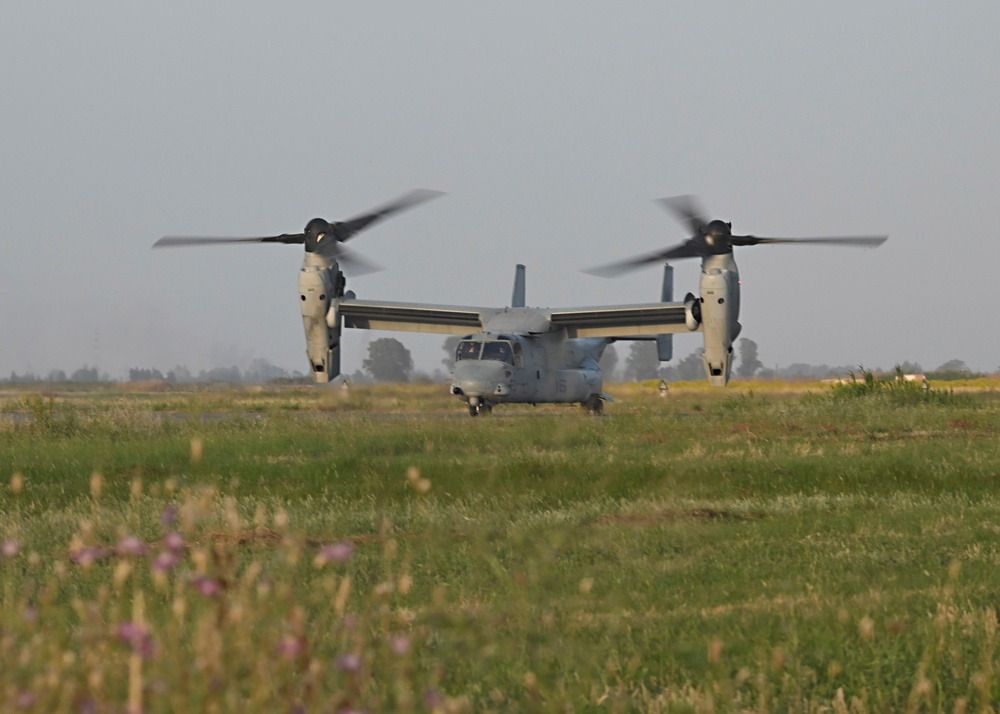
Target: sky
(552, 127)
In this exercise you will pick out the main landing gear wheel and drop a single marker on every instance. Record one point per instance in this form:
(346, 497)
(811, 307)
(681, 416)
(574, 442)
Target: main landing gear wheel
(594, 405)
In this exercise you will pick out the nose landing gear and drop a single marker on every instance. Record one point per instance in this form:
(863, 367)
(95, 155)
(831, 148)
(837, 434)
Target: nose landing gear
(479, 406)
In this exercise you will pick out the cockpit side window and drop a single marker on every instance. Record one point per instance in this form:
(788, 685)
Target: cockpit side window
(467, 349)
(499, 351)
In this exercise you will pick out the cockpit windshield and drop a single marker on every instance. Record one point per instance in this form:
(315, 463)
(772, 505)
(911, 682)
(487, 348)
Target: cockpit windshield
(493, 350)
(467, 349)
(499, 351)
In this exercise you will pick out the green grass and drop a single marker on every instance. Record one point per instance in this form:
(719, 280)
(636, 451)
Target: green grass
(713, 551)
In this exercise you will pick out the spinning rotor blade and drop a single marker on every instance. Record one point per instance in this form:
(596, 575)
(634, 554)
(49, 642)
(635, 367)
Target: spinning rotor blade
(714, 238)
(687, 210)
(684, 250)
(322, 236)
(346, 229)
(172, 241)
(860, 241)
(351, 263)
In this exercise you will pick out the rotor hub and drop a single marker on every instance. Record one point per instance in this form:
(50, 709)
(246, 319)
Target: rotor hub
(318, 231)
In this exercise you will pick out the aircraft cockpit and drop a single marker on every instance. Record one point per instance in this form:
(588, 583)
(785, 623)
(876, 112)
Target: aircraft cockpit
(502, 350)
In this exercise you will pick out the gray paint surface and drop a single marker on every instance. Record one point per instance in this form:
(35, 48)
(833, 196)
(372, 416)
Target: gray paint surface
(552, 128)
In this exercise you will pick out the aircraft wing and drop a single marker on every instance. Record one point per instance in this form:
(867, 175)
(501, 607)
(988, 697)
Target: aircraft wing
(411, 317)
(623, 321)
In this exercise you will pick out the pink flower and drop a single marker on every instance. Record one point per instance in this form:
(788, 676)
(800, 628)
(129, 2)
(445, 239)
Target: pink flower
(337, 552)
(130, 546)
(9, 548)
(174, 542)
(89, 554)
(164, 562)
(25, 700)
(433, 699)
(209, 587)
(400, 644)
(292, 647)
(169, 515)
(136, 637)
(349, 663)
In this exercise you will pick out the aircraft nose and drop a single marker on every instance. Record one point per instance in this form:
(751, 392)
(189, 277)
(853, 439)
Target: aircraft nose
(481, 379)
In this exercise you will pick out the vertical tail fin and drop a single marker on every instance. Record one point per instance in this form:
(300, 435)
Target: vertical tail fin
(517, 299)
(665, 343)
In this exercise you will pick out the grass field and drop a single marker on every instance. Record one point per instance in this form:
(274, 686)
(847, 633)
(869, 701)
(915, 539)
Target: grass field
(761, 548)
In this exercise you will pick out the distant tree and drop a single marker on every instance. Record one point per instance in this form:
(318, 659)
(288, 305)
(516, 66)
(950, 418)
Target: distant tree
(388, 360)
(179, 375)
(359, 377)
(260, 371)
(449, 347)
(749, 364)
(911, 368)
(56, 375)
(642, 361)
(86, 374)
(230, 375)
(951, 370)
(953, 365)
(609, 362)
(802, 370)
(419, 376)
(26, 378)
(692, 367)
(143, 375)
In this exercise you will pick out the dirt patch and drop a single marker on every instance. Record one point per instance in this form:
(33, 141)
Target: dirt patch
(253, 536)
(694, 514)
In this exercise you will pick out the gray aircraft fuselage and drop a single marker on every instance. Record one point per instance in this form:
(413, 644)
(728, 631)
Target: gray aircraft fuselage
(508, 367)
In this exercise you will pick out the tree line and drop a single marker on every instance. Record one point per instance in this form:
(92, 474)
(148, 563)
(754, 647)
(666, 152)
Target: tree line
(642, 363)
(389, 360)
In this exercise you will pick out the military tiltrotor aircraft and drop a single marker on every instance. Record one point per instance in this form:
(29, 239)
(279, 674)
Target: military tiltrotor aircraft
(717, 309)
(514, 354)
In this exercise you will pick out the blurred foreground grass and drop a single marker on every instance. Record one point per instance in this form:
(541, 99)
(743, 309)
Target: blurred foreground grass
(310, 550)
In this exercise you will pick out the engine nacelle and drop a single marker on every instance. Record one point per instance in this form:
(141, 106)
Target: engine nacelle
(692, 312)
(717, 288)
(319, 284)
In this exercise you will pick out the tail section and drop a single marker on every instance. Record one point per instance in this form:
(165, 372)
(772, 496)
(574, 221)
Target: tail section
(517, 299)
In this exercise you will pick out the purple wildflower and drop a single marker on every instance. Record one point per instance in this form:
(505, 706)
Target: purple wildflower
(349, 663)
(30, 613)
(25, 700)
(89, 554)
(433, 699)
(169, 515)
(337, 552)
(164, 562)
(9, 548)
(209, 587)
(136, 637)
(400, 645)
(292, 647)
(174, 542)
(130, 546)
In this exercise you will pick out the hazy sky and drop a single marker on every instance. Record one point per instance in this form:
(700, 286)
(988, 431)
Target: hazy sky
(552, 126)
